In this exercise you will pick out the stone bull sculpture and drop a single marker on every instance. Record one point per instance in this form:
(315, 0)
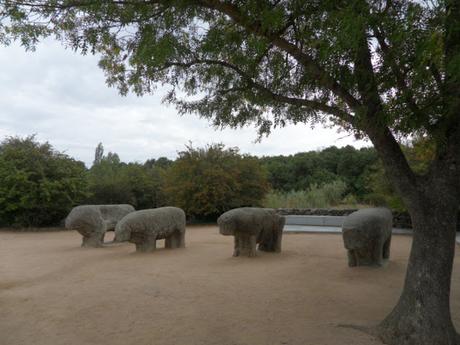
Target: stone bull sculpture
(367, 236)
(92, 221)
(145, 227)
(251, 226)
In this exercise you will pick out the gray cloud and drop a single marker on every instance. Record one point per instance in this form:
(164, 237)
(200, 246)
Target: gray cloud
(62, 97)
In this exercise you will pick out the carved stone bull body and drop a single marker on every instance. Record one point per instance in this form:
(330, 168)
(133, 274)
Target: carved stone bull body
(367, 236)
(251, 226)
(145, 227)
(92, 221)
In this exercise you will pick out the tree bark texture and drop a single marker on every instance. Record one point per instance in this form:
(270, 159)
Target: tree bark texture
(422, 315)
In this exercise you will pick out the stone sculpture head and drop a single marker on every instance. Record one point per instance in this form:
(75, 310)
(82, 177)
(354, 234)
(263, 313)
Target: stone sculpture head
(236, 220)
(227, 224)
(85, 219)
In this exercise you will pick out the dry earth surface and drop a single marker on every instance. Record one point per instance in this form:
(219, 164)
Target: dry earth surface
(54, 292)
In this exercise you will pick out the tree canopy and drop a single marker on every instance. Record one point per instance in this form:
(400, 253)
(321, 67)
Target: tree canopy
(304, 169)
(207, 182)
(39, 185)
(111, 181)
(382, 69)
(268, 62)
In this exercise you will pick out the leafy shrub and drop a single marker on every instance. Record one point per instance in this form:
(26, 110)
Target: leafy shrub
(381, 192)
(419, 153)
(209, 181)
(113, 182)
(106, 185)
(303, 170)
(350, 200)
(39, 185)
(329, 194)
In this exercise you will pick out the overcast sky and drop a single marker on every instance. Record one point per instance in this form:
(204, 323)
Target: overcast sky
(62, 97)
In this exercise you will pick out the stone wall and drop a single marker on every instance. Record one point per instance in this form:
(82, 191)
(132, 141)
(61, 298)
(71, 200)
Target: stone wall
(314, 211)
(400, 219)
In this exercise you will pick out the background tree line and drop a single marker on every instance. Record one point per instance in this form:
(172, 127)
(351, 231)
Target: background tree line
(40, 185)
(385, 70)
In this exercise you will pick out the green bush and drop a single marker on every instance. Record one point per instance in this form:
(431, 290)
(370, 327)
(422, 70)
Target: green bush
(106, 185)
(39, 185)
(209, 181)
(419, 153)
(305, 169)
(113, 182)
(350, 200)
(329, 194)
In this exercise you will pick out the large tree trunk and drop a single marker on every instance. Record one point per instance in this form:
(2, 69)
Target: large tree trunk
(422, 315)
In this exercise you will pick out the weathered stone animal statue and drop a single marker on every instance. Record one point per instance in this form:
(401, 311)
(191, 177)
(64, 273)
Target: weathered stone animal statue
(145, 227)
(367, 236)
(251, 226)
(92, 221)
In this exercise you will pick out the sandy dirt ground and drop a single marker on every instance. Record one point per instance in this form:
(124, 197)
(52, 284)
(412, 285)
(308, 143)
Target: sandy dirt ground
(54, 292)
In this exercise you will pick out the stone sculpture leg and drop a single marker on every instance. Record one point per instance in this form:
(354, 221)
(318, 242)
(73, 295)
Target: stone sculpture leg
(245, 244)
(94, 240)
(236, 246)
(352, 261)
(171, 242)
(175, 240)
(372, 256)
(266, 242)
(271, 242)
(147, 244)
(386, 248)
(279, 234)
(361, 256)
(377, 255)
(277, 242)
(368, 256)
(181, 239)
(252, 245)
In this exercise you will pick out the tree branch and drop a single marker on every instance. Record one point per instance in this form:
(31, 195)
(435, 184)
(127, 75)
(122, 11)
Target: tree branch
(390, 152)
(314, 70)
(301, 102)
(400, 80)
(436, 76)
(62, 6)
(451, 94)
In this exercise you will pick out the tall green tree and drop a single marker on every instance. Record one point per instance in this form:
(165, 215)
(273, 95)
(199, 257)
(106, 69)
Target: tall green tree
(38, 185)
(419, 153)
(98, 154)
(206, 182)
(161, 162)
(379, 68)
(114, 182)
(106, 182)
(302, 170)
